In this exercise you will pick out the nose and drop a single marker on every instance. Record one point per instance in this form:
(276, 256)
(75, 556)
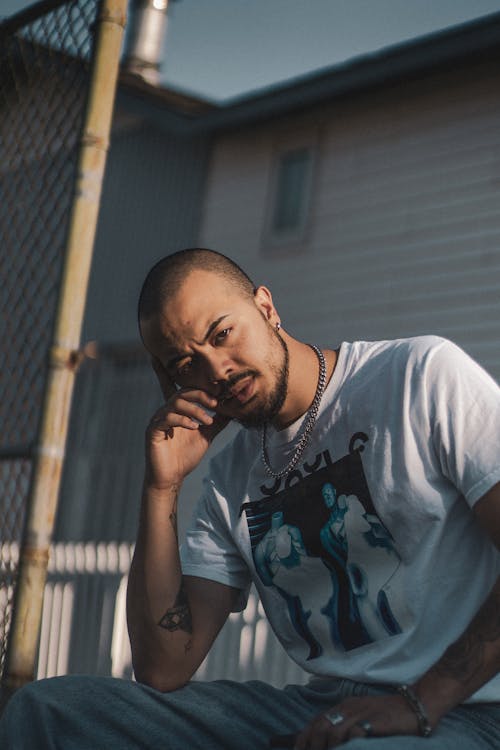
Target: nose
(218, 368)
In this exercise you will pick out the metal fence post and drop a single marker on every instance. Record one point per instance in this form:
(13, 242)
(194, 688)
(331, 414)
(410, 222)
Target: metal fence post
(64, 356)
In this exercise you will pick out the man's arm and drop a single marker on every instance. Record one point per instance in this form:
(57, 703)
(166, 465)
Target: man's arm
(172, 620)
(475, 657)
(471, 661)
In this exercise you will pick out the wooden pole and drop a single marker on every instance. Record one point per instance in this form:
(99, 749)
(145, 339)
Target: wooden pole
(64, 352)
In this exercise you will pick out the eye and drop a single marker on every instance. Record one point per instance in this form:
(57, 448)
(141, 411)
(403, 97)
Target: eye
(222, 335)
(185, 368)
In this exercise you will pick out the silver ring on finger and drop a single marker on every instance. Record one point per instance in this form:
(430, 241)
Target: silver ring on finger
(366, 727)
(334, 717)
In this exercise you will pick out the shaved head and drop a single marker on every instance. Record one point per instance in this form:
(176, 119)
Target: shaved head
(167, 276)
(209, 329)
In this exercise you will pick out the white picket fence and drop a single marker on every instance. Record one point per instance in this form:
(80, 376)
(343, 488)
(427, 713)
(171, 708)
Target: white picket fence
(96, 575)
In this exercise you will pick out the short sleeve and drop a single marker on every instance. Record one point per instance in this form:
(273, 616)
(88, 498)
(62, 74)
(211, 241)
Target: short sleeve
(209, 550)
(465, 419)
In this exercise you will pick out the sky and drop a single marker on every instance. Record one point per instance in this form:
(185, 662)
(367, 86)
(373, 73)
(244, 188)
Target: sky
(221, 49)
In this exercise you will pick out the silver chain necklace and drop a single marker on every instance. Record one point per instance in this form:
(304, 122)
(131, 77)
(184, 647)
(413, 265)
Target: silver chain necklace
(307, 427)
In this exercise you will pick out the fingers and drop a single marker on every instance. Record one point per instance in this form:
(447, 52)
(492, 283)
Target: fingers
(185, 409)
(218, 424)
(316, 736)
(332, 729)
(368, 716)
(190, 418)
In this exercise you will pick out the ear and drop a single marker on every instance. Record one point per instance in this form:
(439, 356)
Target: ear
(264, 302)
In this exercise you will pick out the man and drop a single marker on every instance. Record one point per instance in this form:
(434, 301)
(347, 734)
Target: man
(406, 432)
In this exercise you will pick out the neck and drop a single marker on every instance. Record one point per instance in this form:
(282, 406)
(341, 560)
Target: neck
(302, 380)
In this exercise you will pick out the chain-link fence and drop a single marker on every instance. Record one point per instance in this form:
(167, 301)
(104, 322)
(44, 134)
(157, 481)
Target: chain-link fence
(45, 56)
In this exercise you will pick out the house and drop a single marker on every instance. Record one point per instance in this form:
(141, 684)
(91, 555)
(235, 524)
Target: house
(365, 196)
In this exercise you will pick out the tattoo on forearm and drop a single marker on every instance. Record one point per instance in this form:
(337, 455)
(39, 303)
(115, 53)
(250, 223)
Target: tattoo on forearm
(462, 660)
(178, 617)
(466, 657)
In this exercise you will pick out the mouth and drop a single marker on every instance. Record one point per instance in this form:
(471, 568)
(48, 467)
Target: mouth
(241, 391)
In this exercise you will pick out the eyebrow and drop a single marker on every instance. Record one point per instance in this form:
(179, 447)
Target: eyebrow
(204, 340)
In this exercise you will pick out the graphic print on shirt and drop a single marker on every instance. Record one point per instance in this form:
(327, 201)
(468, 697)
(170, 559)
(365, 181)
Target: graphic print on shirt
(323, 528)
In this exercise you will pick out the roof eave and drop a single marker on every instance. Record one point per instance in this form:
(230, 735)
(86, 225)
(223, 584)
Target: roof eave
(475, 40)
(478, 40)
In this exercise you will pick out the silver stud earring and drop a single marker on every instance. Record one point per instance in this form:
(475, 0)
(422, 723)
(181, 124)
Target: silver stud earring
(278, 326)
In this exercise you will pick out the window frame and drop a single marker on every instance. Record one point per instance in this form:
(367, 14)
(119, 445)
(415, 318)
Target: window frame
(294, 239)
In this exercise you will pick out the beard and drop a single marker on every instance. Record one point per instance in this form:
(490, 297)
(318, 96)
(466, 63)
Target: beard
(261, 413)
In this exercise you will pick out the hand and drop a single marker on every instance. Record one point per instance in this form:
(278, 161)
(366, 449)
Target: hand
(377, 716)
(179, 433)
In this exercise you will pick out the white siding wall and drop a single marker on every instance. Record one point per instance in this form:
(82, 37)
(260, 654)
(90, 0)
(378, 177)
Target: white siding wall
(404, 229)
(150, 207)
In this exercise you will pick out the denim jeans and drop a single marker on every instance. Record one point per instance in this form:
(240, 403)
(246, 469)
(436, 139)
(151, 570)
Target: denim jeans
(103, 713)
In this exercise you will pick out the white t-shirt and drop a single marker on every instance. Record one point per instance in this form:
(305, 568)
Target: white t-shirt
(367, 558)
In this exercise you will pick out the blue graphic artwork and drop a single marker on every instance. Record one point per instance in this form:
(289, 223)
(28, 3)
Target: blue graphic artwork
(322, 534)
(282, 547)
(346, 627)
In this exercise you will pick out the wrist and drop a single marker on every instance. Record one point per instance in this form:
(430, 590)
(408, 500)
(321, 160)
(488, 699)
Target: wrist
(416, 705)
(163, 493)
(438, 694)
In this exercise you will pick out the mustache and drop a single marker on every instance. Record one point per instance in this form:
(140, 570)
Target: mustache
(228, 384)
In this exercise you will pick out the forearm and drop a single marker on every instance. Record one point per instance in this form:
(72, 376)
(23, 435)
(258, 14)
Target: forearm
(158, 612)
(467, 664)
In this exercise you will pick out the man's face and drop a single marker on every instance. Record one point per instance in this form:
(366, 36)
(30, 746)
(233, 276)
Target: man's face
(212, 337)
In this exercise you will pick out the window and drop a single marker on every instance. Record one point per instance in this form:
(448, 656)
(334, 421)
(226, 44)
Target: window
(288, 206)
(291, 191)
